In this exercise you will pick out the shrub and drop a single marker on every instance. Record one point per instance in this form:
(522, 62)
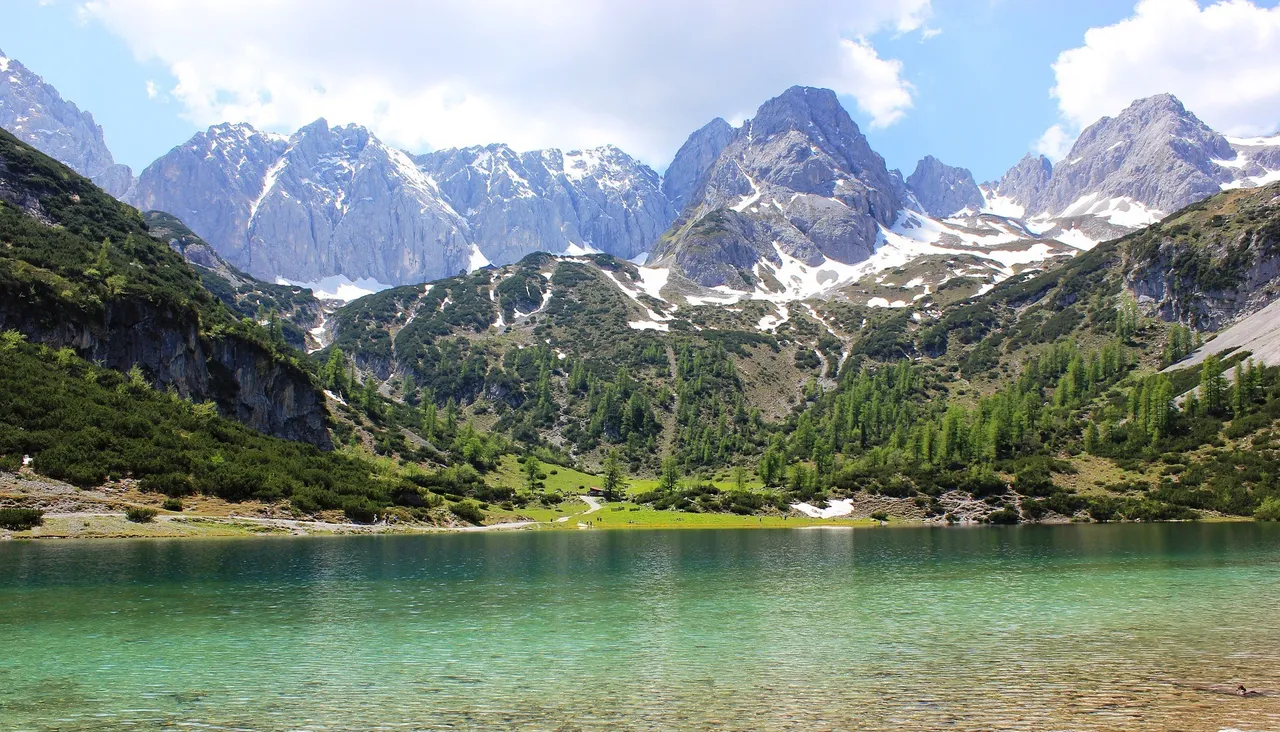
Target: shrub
(467, 511)
(172, 504)
(360, 510)
(1006, 515)
(1269, 510)
(880, 516)
(20, 519)
(140, 514)
(170, 484)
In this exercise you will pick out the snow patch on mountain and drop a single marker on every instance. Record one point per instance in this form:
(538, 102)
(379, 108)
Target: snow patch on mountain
(338, 287)
(476, 260)
(1121, 210)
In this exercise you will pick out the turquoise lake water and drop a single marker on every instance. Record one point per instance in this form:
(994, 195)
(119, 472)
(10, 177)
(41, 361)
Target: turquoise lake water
(1115, 627)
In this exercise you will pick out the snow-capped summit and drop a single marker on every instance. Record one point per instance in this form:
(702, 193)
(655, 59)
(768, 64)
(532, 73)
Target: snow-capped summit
(38, 115)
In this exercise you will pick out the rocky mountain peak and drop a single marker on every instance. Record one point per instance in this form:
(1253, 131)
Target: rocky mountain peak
(798, 178)
(943, 189)
(693, 160)
(37, 114)
(1154, 156)
(1026, 181)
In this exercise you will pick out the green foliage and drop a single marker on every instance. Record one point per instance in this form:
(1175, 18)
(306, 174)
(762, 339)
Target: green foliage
(468, 511)
(20, 519)
(140, 514)
(172, 504)
(615, 479)
(1269, 510)
(84, 424)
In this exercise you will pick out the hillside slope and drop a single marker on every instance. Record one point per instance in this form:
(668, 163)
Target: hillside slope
(79, 269)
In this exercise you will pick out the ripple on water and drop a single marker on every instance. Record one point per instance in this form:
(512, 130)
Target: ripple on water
(1100, 628)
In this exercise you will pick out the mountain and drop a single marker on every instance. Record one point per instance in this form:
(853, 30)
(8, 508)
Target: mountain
(944, 190)
(337, 201)
(545, 200)
(80, 270)
(37, 114)
(582, 355)
(292, 311)
(325, 201)
(797, 179)
(1153, 158)
(684, 177)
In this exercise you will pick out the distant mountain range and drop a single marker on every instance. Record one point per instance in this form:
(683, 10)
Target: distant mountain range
(792, 202)
(37, 114)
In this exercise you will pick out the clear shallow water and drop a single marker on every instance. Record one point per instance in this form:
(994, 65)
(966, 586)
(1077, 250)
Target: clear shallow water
(1074, 627)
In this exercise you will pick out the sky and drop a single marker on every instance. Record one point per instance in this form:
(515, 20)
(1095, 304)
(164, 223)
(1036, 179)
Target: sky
(975, 83)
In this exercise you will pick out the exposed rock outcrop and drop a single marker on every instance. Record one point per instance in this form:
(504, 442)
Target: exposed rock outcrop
(799, 175)
(943, 189)
(518, 203)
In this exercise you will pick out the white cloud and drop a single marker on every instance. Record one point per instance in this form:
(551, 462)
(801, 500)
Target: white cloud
(1055, 143)
(876, 83)
(1222, 61)
(152, 91)
(563, 73)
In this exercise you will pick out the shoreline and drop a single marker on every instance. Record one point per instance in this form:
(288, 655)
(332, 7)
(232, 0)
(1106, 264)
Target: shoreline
(99, 526)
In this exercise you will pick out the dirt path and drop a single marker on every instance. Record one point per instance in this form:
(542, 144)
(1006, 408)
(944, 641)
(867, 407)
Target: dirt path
(593, 503)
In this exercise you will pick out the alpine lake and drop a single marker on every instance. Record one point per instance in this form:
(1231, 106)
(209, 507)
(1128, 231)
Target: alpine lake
(1088, 627)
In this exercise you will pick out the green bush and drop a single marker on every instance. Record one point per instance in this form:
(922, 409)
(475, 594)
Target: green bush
(1269, 510)
(170, 484)
(20, 519)
(1006, 515)
(172, 504)
(467, 511)
(880, 516)
(140, 514)
(360, 510)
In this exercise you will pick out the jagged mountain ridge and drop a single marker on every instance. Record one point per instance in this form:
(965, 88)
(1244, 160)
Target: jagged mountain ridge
(798, 178)
(944, 190)
(1151, 159)
(37, 114)
(326, 200)
(337, 201)
(547, 200)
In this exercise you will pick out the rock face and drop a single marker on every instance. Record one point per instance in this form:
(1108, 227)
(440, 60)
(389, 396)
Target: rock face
(1155, 152)
(942, 189)
(685, 176)
(212, 183)
(1025, 182)
(325, 201)
(1153, 158)
(337, 201)
(38, 115)
(800, 176)
(545, 200)
(244, 380)
(1210, 264)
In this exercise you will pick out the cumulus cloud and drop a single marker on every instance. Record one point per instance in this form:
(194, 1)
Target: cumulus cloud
(882, 93)
(563, 73)
(1055, 143)
(1222, 61)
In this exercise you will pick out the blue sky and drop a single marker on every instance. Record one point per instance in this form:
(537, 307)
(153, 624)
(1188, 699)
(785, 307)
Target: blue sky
(968, 81)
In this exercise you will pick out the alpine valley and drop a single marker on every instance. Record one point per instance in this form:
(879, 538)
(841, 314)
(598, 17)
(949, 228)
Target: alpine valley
(320, 325)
